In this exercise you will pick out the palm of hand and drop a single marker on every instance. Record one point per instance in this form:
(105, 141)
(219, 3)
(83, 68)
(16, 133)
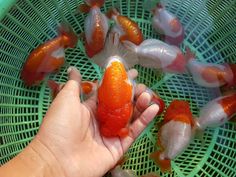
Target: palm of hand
(71, 132)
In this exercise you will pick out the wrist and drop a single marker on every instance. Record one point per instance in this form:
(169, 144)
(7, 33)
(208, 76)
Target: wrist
(47, 164)
(34, 161)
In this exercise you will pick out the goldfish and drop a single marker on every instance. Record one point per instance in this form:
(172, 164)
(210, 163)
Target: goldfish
(167, 24)
(48, 57)
(125, 27)
(210, 74)
(216, 112)
(174, 135)
(153, 53)
(96, 27)
(115, 99)
(87, 88)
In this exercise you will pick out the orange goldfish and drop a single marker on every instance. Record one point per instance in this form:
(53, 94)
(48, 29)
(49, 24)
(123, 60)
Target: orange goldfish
(96, 26)
(87, 88)
(174, 135)
(210, 74)
(115, 99)
(48, 57)
(217, 112)
(125, 27)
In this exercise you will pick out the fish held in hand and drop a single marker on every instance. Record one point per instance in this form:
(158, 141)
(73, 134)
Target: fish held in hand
(115, 99)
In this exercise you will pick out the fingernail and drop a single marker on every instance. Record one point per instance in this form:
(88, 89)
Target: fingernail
(70, 69)
(156, 107)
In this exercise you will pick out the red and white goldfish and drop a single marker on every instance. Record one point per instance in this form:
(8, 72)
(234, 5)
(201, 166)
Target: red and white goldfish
(125, 27)
(115, 99)
(96, 26)
(216, 112)
(209, 74)
(174, 135)
(87, 88)
(167, 24)
(48, 57)
(153, 53)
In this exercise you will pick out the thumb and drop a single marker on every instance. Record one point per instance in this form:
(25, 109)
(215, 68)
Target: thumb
(73, 84)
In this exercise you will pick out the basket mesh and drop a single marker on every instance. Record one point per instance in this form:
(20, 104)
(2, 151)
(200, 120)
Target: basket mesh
(210, 32)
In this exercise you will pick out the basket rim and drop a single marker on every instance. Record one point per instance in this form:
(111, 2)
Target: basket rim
(5, 7)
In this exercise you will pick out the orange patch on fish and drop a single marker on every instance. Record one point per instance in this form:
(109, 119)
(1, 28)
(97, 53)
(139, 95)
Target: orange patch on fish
(229, 104)
(96, 45)
(213, 74)
(175, 25)
(179, 111)
(131, 30)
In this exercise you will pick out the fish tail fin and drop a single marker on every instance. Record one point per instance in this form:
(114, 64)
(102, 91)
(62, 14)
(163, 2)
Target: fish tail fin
(97, 3)
(114, 47)
(131, 54)
(83, 8)
(160, 5)
(31, 78)
(149, 5)
(54, 87)
(189, 55)
(112, 12)
(66, 29)
(164, 164)
(156, 99)
(198, 132)
(232, 83)
(130, 46)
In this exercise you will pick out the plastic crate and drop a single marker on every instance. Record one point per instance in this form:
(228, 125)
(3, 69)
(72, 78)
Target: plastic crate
(210, 31)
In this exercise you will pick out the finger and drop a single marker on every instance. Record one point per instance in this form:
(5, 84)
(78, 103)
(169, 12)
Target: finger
(133, 73)
(73, 85)
(140, 88)
(74, 74)
(142, 103)
(139, 125)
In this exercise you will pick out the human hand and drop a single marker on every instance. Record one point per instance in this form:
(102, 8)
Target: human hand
(70, 131)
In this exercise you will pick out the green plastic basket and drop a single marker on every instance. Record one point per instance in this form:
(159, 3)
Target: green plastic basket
(210, 27)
